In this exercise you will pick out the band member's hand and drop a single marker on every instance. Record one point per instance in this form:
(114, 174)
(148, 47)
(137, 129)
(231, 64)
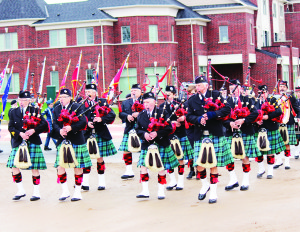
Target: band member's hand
(176, 123)
(265, 117)
(24, 136)
(234, 126)
(90, 124)
(63, 132)
(68, 128)
(260, 122)
(205, 116)
(135, 114)
(239, 122)
(181, 119)
(130, 118)
(30, 132)
(147, 136)
(97, 119)
(153, 135)
(203, 121)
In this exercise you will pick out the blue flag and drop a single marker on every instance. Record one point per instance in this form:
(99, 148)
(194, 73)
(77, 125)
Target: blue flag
(5, 95)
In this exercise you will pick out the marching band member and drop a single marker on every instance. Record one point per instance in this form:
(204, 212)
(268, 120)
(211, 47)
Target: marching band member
(273, 135)
(130, 118)
(247, 132)
(297, 90)
(294, 110)
(160, 138)
(33, 139)
(180, 132)
(208, 122)
(103, 136)
(74, 134)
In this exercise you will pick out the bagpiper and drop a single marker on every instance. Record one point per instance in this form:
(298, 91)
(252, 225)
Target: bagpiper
(22, 133)
(128, 116)
(98, 118)
(297, 121)
(68, 126)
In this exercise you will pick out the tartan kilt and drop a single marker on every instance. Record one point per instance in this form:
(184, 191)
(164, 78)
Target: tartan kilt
(36, 157)
(292, 135)
(167, 155)
(124, 143)
(251, 149)
(276, 142)
(186, 148)
(106, 147)
(222, 150)
(81, 153)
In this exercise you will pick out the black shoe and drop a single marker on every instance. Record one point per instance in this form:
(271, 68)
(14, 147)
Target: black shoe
(63, 198)
(296, 156)
(178, 188)
(15, 198)
(2, 151)
(277, 166)
(202, 196)
(142, 196)
(244, 188)
(75, 199)
(101, 188)
(161, 198)
(269, 177)
(212, 201)
(230, 187)
(259, 175)
(190, 175)
(85, 188)
(126, 177)
(171, 187)
(47, 149)
(33, 198)
(287, 167)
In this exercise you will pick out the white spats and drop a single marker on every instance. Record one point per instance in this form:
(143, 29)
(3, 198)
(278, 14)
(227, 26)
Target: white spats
(145, 191)
(213, 193)
(101, 182)
(261, 169)
(21, 190)
(77, 193)
(128, 173)
(270, 171)
(65, 192)
(85, 180)
(36, 191)
(172, 182)
(245, 182)
(161, 192)
(278, 162)
(205, 186)
(180, 184)
(287, 163)
(233, 178)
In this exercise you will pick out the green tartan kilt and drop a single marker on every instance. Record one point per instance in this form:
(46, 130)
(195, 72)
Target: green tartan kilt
(276, 142)
(81, 153)
(251, 149)
(222, 150)
(167, 155)
(36, 157)
(106, 147)
(292, 135)
(186, 148)
(124, 143)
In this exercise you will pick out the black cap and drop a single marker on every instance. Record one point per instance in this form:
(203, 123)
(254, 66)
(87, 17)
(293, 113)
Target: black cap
(234, 82)
(283, 83)
(136, 86)
(91, 86)
(263, 88)
(66, 91)
(171, 88)
(149, 95)
(297, 89)
(201, 79)
(24, 94)
(13, 102)
(128, 95)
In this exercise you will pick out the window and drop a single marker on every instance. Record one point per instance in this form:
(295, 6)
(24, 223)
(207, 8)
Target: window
(265, 38)
(251, 34)
(201, 35)
(85, 35)
(202, 70)
(89, 76)
(223, 32)
(126, 34)
(274, 10)
(57, 38)
(14, 84)
(128, 78)
(151, 71)
(172, 32)
(275, 37)
(153, 34)
(8, 41)
(295, 73)
(281, 11)
(265, 7)
(285, 72)
(54, 79)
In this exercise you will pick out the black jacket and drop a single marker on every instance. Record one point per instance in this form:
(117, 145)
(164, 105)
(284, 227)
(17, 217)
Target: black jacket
(247, 127)
(268, 124)
(295, 107)
(126, 110)
(76, 134)
(196, 110)
(15, 126)
(161, 139)
(100, 127)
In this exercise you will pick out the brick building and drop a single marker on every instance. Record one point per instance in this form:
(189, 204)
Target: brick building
(234, 34)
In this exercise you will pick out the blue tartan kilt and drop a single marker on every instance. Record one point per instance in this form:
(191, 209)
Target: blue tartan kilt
(124, 143)
(186, 148)
(250, 144)
(292, 135)
(167, 155)
(276, 142)
(106, 147)
(81, 153)
(222, 150)
(36, 157)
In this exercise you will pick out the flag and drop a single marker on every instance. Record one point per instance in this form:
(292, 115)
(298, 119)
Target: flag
(114, 83)
(42, 78)
(63, 82)
(27, 76)
(5, 95)
(163, 77)
(96, 73)
(75, 76)
(2, 75)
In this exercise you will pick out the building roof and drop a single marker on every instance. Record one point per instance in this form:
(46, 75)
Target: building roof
(22, 9)
(271, 54)
(247, 2)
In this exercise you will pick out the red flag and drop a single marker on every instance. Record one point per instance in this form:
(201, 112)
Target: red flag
(75, 76)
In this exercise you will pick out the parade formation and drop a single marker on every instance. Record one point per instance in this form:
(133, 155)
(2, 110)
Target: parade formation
(203, 130)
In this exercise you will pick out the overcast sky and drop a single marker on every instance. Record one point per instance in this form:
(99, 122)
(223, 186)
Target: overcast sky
(61, 1)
